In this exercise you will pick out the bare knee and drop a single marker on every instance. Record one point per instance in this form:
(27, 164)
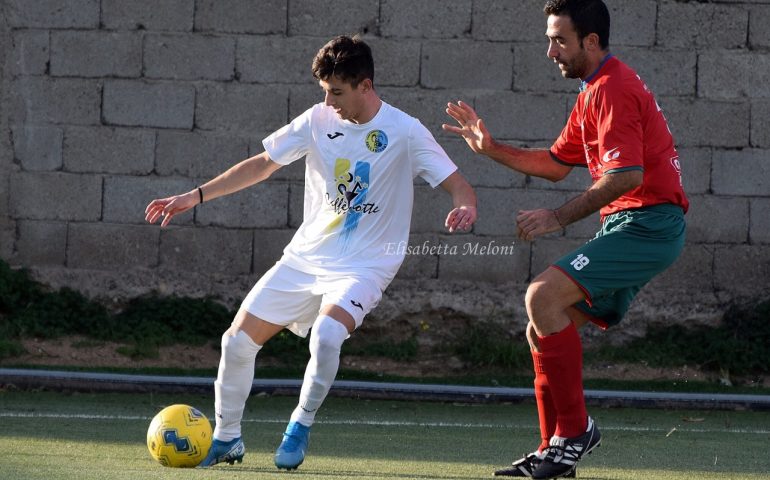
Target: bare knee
(538, 299)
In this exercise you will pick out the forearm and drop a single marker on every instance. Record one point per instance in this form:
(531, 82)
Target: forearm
(601, 193)
(529, 161)
(242, 175)
(460, 190)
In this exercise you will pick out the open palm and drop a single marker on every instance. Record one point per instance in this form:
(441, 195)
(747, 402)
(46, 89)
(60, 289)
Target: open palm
(471, 127)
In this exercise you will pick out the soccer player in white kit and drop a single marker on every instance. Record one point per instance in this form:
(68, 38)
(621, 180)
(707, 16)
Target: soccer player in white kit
(361, 157)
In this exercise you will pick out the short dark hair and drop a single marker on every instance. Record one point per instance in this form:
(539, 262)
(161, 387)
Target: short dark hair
(588, 16)
(347, 58)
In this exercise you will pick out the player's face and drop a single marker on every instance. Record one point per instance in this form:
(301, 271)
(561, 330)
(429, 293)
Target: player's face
(565, 48)
(347, 102)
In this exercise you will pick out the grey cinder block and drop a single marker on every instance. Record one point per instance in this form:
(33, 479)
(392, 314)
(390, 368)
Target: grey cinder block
(126, 197)
(425, 19)
(241, 109)
(522, 116)
(717, 219)
(44, 100)
(56, 196)
(483, 258)
(731, 74)
(521, 21)
(213, 251)
(189, 57)
(326, 18)
(268, 248)
(151, 15)
(759, 222)
(702, 25)
(104, 246)
(38, 148)
(109, 150)
(241, 16)
(760, 119)
(41, 243)
(261, 206)
(137, 103)
(53, 13)
(30, 52)
(741, 172)
(277, 59)
(95, 54)
(198, 154)
(466, 64)
(702, 122)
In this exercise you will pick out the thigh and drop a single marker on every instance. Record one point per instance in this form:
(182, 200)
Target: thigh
(614, 266)
(284, 296)
(356, 294)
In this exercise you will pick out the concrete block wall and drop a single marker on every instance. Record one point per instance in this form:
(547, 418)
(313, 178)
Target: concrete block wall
(107, 104)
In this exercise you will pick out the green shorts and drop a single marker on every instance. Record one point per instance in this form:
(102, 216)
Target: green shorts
(630, 249)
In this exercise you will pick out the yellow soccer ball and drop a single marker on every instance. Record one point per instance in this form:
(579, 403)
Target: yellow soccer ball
(179, 436)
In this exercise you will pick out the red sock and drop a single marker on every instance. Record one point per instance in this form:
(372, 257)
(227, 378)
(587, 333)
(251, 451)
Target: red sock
(546, 411)
(562, 361)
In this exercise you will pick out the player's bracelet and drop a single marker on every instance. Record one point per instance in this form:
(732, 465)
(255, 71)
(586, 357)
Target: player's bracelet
(200, 194)
(558, 220)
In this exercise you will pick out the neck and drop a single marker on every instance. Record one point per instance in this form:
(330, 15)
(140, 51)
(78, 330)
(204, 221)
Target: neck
(594, 64)
(371, 107)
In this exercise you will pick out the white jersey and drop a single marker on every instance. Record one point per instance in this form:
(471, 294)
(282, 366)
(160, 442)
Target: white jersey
(358, 187)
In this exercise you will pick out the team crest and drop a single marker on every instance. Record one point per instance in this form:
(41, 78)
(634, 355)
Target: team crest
(376, 141)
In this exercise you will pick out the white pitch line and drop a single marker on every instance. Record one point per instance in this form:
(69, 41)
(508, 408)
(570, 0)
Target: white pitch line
(388, 423)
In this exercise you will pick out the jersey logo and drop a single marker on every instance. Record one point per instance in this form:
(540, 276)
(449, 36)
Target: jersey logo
(336, 134)
(609, 155)
(376, 141)
(356, 304)
(675, 163)
(580, 262)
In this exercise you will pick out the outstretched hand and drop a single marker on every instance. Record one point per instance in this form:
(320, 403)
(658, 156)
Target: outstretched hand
(471, 128)
(461, 218)
(169, 207)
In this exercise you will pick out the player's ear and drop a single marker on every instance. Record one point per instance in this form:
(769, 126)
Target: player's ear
(365, 85)
(591, 42)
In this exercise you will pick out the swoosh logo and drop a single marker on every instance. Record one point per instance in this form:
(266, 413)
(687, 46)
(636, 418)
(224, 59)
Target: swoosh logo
(336, 134)
(609, 156)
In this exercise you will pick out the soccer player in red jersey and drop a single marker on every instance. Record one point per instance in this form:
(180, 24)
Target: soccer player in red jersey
(618, 131)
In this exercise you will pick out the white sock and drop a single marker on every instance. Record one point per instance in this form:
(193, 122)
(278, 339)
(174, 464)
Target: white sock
(233, 385)
(326, 339)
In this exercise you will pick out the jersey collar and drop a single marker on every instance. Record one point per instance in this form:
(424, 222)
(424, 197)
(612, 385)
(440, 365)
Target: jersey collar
(584, 83)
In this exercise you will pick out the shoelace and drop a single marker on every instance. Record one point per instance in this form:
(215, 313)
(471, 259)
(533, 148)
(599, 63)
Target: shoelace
(562, 452)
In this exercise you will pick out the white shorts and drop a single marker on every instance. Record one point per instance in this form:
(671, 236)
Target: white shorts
(286, 296)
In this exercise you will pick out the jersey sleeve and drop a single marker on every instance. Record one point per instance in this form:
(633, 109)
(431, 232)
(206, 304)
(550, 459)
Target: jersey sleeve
(428, 159)
(568, 147)
(290, 142)
(620, 135)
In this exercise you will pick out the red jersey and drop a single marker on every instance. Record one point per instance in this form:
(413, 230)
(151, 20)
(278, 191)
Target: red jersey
(617, 125)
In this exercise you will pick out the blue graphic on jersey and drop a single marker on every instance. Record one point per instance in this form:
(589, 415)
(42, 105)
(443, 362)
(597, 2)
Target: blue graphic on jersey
(180, 444)
(356, 197)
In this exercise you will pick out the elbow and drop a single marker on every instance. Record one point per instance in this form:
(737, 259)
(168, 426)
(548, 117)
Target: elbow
(557, 176)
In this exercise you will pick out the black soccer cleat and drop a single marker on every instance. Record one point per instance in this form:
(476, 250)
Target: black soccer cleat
(564, 453)
(524, 466)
